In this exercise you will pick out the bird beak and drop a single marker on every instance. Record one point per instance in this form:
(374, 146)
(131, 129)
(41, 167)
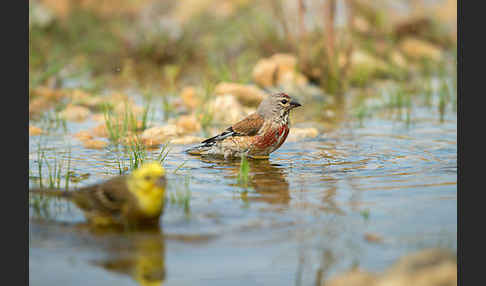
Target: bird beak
(161, 182)
(294, 103)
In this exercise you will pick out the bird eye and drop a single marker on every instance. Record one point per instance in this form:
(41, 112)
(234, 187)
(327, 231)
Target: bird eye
(147, 178)
(284, 101)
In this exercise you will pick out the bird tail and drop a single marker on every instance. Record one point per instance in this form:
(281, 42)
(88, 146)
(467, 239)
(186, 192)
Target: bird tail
(198, 149)
(51, 192)
(205, 146)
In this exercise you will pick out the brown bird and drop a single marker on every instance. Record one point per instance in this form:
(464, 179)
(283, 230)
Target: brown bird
(130, 200)
(258, 135)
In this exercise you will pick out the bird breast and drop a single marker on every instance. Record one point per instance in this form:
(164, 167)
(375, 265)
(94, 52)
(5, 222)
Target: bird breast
(272, 138)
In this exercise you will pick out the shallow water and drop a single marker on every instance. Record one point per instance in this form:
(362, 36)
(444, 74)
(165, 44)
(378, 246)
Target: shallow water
(304, 215)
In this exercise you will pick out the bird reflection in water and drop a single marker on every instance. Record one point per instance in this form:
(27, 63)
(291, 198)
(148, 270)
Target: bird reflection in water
(268, 180)
(141, 255)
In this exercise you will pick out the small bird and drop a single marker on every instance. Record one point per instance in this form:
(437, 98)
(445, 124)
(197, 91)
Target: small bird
(257, 135)
(129, 200)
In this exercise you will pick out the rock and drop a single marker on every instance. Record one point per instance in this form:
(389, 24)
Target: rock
(285, 62)
(75, 113)
(329, 113)
(127, 108)
(431, 267)
(190, 9)
(97, 102)
(364, 66)
(361, 25)
(188, 124)
(417, 49)
(373, 238)
(361, 60)
(40, 15)
(38, 105)
(100, 131)
(34, 130)
(83, 135)
(121, 103)
(398, 60)
(82, 98)
(122, 109)
(98, 117)
(187, 140)
(447, 14)
(444, 274)
(352, 278)
(94, 144)
(49, 93)
(159, 135)
(59, 9)
(279, 69)
(131, 139)
(226, 109)
(78, 95)
(417, 25)
(420, 260)
(94, 103)
(188, 95)
(246, 94)
(297, 134)
(106, 8)
(264, 72)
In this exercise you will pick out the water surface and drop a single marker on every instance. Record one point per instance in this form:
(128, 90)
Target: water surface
(304, 215)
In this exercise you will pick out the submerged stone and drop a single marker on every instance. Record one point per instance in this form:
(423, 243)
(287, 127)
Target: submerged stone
(159, 134)
(49, 93)
(34, 130)
(75, 113)
(418, 49)
(296, 134)
(83, 135)
(38, 105)
(100, 130)
(94, 144)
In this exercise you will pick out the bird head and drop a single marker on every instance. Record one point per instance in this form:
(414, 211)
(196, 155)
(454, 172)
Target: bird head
(150, 174)
(278, 104)
(147, 184)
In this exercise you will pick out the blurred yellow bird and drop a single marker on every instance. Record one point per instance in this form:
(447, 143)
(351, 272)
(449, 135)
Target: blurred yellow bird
(135, 199)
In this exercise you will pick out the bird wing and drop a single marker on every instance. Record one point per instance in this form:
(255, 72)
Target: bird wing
(246, 127)
(108, 196)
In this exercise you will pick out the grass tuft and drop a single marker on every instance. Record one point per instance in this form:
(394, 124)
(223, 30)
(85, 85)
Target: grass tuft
(243, 173)
(181, 196)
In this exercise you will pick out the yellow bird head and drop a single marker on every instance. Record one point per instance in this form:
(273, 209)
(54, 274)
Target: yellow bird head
(151, 173)
(147, 184)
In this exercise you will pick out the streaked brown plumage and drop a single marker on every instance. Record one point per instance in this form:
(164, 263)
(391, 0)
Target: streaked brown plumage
(249, 126)
(259, 134)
